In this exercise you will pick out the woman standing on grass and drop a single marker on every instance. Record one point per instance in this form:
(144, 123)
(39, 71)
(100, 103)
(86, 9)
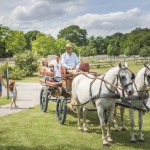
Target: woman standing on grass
(1, 82)
(13, 93)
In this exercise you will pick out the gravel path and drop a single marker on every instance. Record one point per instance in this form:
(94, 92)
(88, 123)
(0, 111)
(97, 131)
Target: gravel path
(28, 96)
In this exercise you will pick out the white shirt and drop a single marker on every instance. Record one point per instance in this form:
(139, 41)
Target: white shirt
(70, 60)
(56, 67)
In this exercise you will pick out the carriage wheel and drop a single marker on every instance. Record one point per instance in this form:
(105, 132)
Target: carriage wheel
(61, 110)
(44, 99)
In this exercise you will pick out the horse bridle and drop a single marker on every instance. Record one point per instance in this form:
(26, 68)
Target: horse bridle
(103, 80)
(121, 80)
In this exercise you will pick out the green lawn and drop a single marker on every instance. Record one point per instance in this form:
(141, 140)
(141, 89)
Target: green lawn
(131, 65)
(34, 78)
(4, 101)
(34, 130)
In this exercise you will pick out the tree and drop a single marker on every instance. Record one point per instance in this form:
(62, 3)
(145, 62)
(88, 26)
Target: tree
(87, 51)
(74, 34)
(4, 33)
(15, 42)
(113, 48)
(145, 51)
(43, 45)
(98, 43)
(31, 36)
(60, 45)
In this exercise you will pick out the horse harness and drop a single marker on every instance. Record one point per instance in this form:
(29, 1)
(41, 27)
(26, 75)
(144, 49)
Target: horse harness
(114, 94)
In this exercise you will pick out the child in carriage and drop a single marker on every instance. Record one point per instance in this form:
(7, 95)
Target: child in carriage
(53, 77)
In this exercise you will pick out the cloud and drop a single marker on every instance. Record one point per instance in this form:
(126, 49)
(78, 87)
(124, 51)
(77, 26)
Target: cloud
(99, 24)
(50, 16)
(37, 10)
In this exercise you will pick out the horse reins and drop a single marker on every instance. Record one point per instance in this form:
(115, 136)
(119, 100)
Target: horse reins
(115, 95)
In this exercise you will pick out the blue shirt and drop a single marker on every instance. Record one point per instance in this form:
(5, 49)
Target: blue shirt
(70, 60)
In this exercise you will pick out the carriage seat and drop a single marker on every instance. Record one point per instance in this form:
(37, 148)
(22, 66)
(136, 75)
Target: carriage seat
(50, 83)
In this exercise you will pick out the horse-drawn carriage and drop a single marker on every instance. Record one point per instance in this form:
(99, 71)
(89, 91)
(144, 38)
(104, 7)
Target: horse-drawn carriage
(119, 78)
(60, 92)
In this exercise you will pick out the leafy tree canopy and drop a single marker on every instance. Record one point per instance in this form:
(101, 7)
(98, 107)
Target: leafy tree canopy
(74, 34)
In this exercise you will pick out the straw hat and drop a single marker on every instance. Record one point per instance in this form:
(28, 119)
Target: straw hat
(68, 45)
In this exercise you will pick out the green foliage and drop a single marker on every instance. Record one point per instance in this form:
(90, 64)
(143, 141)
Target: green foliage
(87, 51)
(16, 73)
(60, 46)
(15, 42)
(74, 34)
(26, 62)
(113, 48)
(43, 45)
(12, 42)
(3, 68)
(99, 43)
(145, 51)
(4, 33)
(31, 36)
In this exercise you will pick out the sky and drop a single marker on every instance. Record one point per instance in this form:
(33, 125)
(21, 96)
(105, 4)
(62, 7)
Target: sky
(98, 17)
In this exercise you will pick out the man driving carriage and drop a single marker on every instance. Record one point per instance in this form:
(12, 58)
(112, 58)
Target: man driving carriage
(69, 59)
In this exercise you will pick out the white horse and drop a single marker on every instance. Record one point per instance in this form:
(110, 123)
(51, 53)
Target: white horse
(84, 88)
(142, 81)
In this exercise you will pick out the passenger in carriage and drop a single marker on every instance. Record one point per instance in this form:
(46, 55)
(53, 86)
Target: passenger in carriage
(57, 65)
(46, 67)
(54, 76)
(50, 69)
(69, 59)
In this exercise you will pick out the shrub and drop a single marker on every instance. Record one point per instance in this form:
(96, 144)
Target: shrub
(26, 62)
(17, 73)
(3, 68)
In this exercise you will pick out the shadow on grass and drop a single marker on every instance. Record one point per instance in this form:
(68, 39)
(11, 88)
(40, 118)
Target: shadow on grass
(121, 138)
(51, 147)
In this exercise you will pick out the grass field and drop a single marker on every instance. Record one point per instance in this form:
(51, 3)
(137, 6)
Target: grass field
(131, 65)
(34, 130)
(4, 101)
(34, 78)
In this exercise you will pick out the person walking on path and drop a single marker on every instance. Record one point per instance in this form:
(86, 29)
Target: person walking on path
(13, 94)
(2, 82)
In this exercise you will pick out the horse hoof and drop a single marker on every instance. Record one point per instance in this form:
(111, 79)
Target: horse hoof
(86, 131)
(106, 145)
(133, 141)
(110, 141)
(141, 140)
(124, 129)
(81, 130)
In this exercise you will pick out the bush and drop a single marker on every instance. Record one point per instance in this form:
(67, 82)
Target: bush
(3, 68)
(16, 73)
(27, 62)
